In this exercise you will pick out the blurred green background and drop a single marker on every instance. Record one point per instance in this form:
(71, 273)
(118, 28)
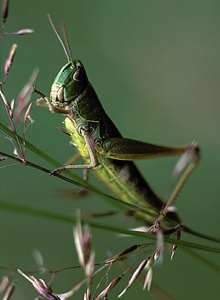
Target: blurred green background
(155, 66)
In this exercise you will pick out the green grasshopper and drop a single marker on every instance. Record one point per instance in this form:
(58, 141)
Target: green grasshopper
(106, 152)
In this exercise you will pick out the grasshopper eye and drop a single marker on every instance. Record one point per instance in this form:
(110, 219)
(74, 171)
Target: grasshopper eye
(76, 75)
(80, 74)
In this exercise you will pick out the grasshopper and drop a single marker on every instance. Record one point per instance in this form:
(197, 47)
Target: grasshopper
(106, 152)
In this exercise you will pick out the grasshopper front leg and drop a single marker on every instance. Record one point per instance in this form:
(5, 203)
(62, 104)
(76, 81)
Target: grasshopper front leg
(90, 145)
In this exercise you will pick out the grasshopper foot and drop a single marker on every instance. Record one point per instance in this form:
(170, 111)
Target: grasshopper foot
(154, 227)
(56, 171)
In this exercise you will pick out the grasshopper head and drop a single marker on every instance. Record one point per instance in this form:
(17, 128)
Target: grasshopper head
(70, 83)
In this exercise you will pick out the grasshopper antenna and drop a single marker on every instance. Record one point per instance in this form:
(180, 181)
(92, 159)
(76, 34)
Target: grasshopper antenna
(67, 53)
(67, 42)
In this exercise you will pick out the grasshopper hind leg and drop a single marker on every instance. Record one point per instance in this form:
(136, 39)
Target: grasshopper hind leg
(185, 166)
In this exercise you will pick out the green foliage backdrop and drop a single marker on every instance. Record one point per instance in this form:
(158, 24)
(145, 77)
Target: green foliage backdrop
(155, 66)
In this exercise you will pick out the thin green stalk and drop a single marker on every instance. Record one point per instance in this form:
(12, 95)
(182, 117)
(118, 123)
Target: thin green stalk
(15, 208)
